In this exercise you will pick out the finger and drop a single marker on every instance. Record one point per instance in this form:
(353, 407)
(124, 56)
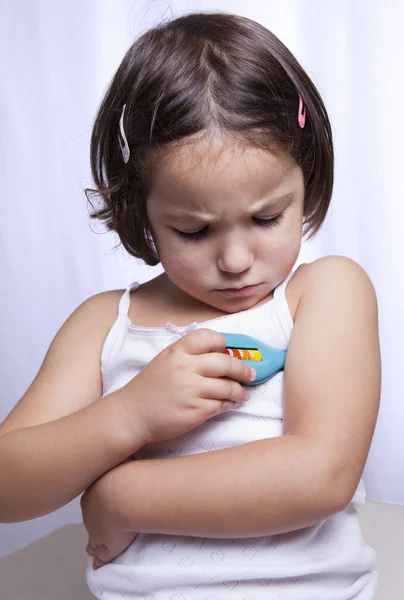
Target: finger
(201, 341)
(217, 364)
(92, 551)
(103, 553)
(91, 547)
(227, 405)
(97, 563)
(213, 407)
(223, 389)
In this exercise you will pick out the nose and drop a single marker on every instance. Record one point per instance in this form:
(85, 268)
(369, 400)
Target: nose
(235, 256)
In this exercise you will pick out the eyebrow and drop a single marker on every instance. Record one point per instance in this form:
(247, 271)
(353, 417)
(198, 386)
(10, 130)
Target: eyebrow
(202, 218)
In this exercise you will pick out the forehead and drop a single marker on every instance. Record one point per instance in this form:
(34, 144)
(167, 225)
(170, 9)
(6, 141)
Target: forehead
(218, 165)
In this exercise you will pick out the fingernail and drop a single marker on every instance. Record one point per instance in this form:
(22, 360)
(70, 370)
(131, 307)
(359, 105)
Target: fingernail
(253, 374)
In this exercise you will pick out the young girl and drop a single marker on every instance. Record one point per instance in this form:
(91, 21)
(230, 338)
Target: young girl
(212, 152)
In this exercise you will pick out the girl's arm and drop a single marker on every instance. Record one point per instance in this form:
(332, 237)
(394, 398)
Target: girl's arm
(331, 400)
(61, 436)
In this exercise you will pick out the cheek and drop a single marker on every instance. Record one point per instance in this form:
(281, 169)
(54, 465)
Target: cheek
(282, 243)
(183, 259)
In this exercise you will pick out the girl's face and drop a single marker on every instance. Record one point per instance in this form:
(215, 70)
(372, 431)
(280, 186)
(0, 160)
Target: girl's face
(224, 215)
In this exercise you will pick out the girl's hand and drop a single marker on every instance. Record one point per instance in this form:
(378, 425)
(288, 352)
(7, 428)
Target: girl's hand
(187, 383)
(106, 539)
(103, 553)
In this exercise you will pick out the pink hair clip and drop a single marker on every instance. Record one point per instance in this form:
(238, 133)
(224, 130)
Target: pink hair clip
(302, 113)
(123, 142)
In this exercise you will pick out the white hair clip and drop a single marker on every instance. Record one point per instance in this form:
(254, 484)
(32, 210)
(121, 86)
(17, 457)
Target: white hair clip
(123, 142)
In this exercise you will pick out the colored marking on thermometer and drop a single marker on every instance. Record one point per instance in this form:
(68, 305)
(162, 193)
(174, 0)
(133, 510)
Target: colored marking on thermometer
(266, 360)
(244, 353)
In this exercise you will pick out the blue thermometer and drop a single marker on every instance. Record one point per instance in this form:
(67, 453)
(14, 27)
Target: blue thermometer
(266, 360)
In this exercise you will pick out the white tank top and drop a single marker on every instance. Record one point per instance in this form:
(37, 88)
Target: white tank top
(327, 561)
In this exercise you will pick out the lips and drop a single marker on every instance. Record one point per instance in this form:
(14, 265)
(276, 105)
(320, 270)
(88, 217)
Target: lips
(244, 291)
(232, 289)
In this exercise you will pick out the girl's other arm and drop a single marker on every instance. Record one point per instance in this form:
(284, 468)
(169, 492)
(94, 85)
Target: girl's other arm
(331, 400)
(62, 436)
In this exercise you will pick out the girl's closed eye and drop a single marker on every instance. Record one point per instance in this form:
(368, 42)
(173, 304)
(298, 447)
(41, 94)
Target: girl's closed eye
(270, 222)
(198, 235)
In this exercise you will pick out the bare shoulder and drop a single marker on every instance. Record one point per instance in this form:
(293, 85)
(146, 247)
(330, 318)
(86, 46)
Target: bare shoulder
(69, 378)
(105, 303)
(95, 316)
(335, 277)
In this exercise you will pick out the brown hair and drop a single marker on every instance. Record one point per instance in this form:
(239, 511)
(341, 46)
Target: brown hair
(199, 72)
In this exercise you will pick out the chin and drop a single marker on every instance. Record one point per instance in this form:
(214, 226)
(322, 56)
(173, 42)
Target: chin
(235, 304)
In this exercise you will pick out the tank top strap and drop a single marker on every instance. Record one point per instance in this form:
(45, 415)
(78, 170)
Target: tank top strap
(282, 307)
(124, 302)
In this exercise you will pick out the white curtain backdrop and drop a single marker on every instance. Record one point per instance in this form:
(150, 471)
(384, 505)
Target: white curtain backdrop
(57, 59)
